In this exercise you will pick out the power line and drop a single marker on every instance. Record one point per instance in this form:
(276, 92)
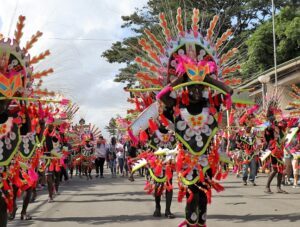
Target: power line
(79, 39)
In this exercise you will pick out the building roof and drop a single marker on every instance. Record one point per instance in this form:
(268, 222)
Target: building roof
(284, 70)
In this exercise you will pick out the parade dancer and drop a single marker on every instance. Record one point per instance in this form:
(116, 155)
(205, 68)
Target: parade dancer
(52, 172)
(247, 144)
(189, 76)
(17, 139)
(87, 151)
(275, 139)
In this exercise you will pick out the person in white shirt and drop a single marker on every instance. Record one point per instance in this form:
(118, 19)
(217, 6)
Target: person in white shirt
(120, 157)
(100, 153)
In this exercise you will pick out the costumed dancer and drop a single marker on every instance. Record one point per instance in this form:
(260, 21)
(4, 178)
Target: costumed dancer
(17, 135)
(159, 159)
(87, 150)
(247, 144)
(293, 137)
(52, 153)
(193, 94)
(275, 137)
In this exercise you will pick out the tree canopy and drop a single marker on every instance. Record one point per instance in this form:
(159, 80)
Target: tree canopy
(260, 44)
(111, 128)
(242, 15)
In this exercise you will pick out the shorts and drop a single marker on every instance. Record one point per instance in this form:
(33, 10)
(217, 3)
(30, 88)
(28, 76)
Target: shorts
(296, 166)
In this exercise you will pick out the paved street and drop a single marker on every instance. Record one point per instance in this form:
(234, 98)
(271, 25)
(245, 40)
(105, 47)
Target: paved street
(118, 202)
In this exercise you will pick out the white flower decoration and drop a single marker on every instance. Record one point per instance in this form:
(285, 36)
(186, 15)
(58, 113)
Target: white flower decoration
(205, 129)
(194, 216)
(12, 136)
(210, 119)
(190, 133)
(181, 125)
(173, 63)
(208, 133)
(199, 138)
(186, 138)
(189, 176)
(181, 52)
(200, 144)
(156, 140)
(203, 161)
(197, 132)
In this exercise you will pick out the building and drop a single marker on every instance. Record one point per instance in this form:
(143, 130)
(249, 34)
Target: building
(288, 73)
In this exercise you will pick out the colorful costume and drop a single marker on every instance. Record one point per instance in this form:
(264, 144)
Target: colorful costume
(188, 74)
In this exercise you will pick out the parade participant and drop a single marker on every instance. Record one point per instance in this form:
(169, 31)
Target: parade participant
(275, 138)
(53, 169)
(87, 151)
(293, 148)
(100, 153)
(163, 139)
(192, 95)
(247, 144)
(112, 157)
(276, 141)
(158, 140)
(121, 158)
(17, 132)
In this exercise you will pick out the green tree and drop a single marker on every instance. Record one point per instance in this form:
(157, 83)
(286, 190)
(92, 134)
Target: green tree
(111, 128)
(260, 44)
(243, 15)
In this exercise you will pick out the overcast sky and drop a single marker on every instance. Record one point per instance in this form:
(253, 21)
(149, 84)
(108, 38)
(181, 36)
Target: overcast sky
(76, 32)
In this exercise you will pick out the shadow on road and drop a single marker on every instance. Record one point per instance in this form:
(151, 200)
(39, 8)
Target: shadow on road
(104, 200)
(100, 194)
(257, 218)
(101, 220)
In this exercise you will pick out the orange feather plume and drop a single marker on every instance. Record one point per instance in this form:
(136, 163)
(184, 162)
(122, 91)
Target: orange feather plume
(228, 70)
(34, 39)
(211, 27)
(146, 77)
(164, 25)
(223, 38)
(228, 55)
(155, 41)
(195, 21)
(147, 48)
(179, 23)
(40, 57)
(146, 64)
(38, 75)
(20, 26)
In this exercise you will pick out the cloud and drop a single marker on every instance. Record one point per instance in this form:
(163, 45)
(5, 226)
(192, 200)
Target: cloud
(76, 32)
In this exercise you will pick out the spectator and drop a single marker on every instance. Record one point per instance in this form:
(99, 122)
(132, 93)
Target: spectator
(120, 156)
(112, 157)
(100, 153)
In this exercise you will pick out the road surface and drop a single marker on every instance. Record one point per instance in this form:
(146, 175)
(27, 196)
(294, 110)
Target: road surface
(118, 202)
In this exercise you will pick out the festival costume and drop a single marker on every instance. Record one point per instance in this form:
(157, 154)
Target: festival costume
(248, 146)
(189, 76)
(293, 136)
(161, 175)
(17, 133)
(85, 157)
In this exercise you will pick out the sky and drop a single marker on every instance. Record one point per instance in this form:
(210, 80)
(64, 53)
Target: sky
(76, 32)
